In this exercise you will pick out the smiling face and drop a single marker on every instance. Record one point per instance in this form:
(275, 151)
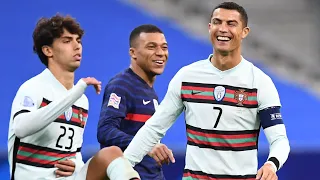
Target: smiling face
(227, 30)
(150, 52)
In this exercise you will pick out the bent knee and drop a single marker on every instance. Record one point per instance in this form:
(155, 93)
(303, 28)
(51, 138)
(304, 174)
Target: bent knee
(110, 153)
(112, 150)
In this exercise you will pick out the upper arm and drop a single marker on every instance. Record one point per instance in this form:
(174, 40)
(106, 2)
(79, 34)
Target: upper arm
(172, 101)
(26, 100)
(174, 90)
(170, 107)
(269, 104)
(267, 94)
(115, 101)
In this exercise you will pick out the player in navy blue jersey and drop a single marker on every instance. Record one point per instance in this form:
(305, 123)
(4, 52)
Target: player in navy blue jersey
(130, 100)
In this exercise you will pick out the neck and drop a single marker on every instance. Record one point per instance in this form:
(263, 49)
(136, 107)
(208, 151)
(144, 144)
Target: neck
(226, 61)
(66, 78)
(149, 79)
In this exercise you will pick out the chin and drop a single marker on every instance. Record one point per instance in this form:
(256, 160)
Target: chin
(157, 71)
(223, 50)
(73, 68)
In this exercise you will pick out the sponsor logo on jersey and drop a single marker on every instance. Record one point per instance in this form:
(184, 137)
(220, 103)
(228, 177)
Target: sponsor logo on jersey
(114, 100)
(219, 93)
(68, 114)
(145, 102)
(240, 96)
(193, 92)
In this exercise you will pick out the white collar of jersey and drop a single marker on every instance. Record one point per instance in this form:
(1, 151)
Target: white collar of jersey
(48, 76)
(218, 71)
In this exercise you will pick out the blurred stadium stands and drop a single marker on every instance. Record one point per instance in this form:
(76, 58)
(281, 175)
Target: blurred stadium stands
(279, 30)
(282, 42)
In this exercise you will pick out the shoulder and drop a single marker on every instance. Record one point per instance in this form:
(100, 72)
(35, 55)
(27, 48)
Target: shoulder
(259, 74)
(195, 66)
(32, 85)
(119, 86)
(120, 79)
(29, 94)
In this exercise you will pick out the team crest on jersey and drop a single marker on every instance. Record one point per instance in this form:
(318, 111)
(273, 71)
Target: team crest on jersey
(68, 114)
(219, 93)
(114, 100)
(80, 115)
(240, 96)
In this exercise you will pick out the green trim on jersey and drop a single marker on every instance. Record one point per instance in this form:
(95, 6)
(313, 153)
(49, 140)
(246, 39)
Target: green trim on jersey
(39, 156)
(231, 95)
(78, 118)
(222, 140)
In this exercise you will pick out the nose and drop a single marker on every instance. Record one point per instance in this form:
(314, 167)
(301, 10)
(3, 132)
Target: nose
(77, 45)
(223, 28)
(160, 51)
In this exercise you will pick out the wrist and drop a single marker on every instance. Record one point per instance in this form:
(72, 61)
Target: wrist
(82, 83)
(274, 167)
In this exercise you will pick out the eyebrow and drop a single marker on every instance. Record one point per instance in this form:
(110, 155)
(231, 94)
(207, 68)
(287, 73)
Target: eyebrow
(156, 43)
(229, 21)
(69, 37)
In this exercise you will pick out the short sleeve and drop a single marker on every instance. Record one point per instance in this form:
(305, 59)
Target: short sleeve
(267, 94)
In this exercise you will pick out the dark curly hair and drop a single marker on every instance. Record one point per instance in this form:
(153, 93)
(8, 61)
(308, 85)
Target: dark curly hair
(49, 29)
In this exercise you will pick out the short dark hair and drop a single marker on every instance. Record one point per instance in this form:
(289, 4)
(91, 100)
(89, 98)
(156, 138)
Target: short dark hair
(48, 29)
(145, 28)
(233, 6)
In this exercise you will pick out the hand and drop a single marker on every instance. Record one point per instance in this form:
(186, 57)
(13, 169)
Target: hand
(267, 172)
(94, 82)
(161, 154)
(65, 168)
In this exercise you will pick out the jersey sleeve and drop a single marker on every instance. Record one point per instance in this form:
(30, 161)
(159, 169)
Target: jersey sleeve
(156, 127)
(267, 94)
(26, 110)
(271, 121)
(113, 111)
(268, 103)
(27, 99)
